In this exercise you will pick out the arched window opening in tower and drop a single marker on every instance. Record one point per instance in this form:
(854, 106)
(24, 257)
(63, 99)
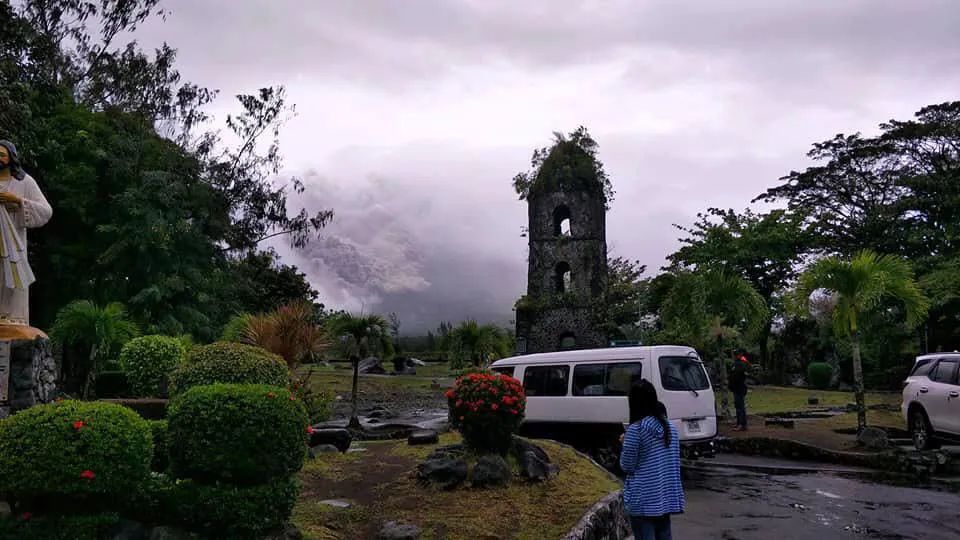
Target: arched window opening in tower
(561, 221)
(568, 341)
(562, 277)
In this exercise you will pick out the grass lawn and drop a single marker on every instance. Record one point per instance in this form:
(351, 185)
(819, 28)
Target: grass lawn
(773, 399)
(339, 378)
(379, 484)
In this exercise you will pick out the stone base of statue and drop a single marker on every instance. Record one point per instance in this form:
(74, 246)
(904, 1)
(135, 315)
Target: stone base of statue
(28, 371)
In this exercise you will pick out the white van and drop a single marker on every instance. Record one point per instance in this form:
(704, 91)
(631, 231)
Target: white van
(583, 392)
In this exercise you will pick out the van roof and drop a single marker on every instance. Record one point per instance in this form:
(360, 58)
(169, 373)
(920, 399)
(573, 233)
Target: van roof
(595, 355)
(928, 356)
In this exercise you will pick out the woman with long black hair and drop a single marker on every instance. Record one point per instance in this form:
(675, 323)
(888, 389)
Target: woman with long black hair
(652, 491)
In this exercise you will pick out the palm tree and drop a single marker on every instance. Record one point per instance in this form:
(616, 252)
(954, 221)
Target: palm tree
(290, 331)
(861, 286)
(476, 342)
(100, 332)
(365, 334)
(707, 309)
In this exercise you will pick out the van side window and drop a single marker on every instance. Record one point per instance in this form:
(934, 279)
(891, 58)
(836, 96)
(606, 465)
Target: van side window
(605, 379)
(508, 371)
(680, 373)
(546, 380)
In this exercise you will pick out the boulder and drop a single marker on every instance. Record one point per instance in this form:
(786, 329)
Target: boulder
(491, 470)
(129, 530)
(371, 365)
(873, 438)
(416, 362)
(534, 462)
(393, 530)
(423, 436)
(456, 451)
(323, 449)
(444, 472)
(337, 437)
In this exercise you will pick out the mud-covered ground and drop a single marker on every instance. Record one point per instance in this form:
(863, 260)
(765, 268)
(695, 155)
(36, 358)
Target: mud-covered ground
(731, 504)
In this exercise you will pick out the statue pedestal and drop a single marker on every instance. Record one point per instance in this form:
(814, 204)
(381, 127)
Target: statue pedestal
(28, 371)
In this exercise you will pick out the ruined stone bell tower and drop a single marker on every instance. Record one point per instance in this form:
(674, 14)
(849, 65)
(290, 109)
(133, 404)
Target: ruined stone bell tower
(567, 262)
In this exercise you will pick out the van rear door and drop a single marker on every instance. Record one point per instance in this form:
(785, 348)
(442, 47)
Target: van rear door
(688, 395)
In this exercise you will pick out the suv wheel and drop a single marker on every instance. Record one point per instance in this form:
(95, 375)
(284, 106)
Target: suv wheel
(920, 429)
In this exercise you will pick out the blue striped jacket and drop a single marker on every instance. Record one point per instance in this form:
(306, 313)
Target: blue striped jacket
(652, 487)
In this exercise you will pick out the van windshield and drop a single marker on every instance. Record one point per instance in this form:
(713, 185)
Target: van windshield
(683, 373)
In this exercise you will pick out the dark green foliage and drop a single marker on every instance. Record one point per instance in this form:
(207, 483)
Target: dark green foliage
(58, 527)
(161, 446)
(45, 450)
(819, 374)
(229, 363)
(148, 409)
(148, 361)
(487, 409)
(245, 434)
(232, 512)
(112, 384)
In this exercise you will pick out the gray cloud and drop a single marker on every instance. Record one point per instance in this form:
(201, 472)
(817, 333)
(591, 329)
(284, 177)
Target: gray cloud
(379, 42)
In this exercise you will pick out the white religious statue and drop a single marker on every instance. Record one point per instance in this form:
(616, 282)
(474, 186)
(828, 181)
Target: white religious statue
(22, 207)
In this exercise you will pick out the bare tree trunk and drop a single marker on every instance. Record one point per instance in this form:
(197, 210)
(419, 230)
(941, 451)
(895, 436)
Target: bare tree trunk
(354, 407)
(858, 384)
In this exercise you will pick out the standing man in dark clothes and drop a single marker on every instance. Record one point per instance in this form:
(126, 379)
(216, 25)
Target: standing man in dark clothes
(738, 386)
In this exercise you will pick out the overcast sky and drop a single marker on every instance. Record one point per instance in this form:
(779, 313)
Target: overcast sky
(414, 116)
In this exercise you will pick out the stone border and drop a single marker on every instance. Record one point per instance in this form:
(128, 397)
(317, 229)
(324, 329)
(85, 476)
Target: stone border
(605, 520)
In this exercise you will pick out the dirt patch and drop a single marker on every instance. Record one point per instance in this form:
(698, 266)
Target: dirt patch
(819, 432)
(379, 484)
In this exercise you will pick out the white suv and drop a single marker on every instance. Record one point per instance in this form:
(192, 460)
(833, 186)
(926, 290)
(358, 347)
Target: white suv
(931, 399)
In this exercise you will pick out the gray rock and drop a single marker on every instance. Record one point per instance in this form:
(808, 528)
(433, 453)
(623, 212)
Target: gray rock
(423, 436)
(534, 462)
(491, 471)
(337, 437)
(323, 449)
(371, 365)
(129, 530)
(169, 533)
(446, 473)
(873, 438)
(393, 530)
(336, 503)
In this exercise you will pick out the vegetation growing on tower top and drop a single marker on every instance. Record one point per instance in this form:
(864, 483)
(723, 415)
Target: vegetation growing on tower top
(569, 164)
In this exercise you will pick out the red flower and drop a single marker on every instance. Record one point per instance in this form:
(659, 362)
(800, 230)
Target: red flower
(293, 397)
(309, 429)
(88, 475)
(78, 424)
(271, 395)
(459, 402)
(25, 515)
(479, 402)
(513, 411)
(461, 419)
(449, 394)
(494, 406)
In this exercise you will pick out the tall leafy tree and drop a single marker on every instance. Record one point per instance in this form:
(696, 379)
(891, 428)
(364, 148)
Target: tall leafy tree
(763, 249)
(709, 309)
(862, 285)
(365, 334)
(475, 343)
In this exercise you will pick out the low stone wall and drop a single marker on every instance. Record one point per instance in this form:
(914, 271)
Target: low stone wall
(33, 375)
(606, 520)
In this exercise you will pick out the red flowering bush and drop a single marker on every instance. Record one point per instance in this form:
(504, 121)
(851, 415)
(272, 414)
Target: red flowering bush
(487, 408)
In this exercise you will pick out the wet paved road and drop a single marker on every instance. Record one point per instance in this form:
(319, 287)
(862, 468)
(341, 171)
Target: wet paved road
(732, 504)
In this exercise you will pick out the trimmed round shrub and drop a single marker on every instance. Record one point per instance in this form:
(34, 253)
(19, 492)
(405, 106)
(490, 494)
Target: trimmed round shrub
(148, 361)
(227, 511)
(161, 447)
(71, 451)
(819, 375)
(27, 526)
(245, 434)
(487, 408)
(229, 363)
